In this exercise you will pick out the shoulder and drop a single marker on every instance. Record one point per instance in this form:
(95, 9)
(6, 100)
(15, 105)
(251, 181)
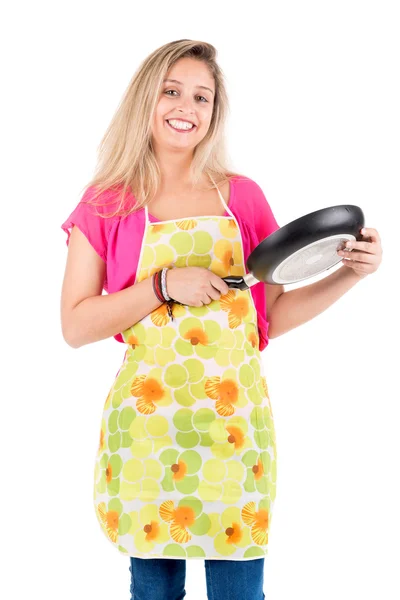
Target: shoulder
(95, 215)
(246, 186)
(106, 203)
(248, 196)
(237, 185)
(105, 209)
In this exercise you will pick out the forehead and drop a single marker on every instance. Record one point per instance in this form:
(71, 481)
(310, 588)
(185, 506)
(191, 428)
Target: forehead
(191, 72)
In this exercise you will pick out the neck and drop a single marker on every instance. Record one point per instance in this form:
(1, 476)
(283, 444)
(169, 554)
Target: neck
(175, 170)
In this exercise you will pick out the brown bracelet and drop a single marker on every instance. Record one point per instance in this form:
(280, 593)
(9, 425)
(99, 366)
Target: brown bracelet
(159, 286)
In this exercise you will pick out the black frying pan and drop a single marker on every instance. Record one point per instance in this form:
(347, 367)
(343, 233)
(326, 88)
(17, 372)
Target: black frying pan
(303, 248)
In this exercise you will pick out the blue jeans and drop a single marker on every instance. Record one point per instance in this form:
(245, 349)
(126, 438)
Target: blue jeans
(164, 579)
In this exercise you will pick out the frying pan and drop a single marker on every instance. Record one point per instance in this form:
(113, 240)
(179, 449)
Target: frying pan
(303, 248)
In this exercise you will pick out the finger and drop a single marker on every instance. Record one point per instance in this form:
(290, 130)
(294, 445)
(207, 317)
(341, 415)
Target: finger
(368, 247)
(213, 293)
(361, 257)
(206, 299)
(357, 267)
(371, 233)
(219, 283)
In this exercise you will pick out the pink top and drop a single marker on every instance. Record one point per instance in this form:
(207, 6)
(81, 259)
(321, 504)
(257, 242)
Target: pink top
(118, 240)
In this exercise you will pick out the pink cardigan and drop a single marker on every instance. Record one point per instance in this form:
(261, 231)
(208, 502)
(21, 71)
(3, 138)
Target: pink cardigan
(118, 240)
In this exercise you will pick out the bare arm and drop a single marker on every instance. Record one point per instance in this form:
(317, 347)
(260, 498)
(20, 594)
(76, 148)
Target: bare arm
(300, 305)
(88, 316)
(272, 293)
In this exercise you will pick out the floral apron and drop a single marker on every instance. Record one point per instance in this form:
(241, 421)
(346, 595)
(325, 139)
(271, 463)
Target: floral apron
(186, 465)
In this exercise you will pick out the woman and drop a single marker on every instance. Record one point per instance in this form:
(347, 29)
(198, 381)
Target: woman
(186, 465)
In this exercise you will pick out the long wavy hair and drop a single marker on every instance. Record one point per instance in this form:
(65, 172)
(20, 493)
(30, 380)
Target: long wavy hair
(125, 155)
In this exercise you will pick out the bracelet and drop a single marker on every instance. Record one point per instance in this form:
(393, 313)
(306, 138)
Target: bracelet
(156, 288)
(159, 286)
(164, 284)
(159, 281)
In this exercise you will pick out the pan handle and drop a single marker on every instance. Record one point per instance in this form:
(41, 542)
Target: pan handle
(235, 281)
(240, 282)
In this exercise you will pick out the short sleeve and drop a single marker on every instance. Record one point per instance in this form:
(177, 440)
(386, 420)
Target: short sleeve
(95, 228)
(264, 219)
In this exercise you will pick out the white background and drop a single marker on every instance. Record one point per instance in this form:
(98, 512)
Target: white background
(314, 92)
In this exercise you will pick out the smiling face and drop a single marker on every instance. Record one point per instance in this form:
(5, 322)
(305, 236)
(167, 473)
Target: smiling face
(187, 101)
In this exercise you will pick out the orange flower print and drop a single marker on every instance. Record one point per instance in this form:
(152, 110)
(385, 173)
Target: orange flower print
(258, 520)
(147, 528)
(109, 521)
(225, 392)
(180, 518)
(108, 472)
(133, 340)
(258, 469)
(234, 533)
(160, 316)
(229, 229)
(152, 531)
(149, 391)
(228, 258)
(236, 436)
(196, 336)
(155, 229)
(252, 338)
(179, 470)
(236, 306)
(186, 224)
(102, 443)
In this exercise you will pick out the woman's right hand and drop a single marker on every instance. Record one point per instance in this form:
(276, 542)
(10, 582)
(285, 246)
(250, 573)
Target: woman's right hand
(194, 286)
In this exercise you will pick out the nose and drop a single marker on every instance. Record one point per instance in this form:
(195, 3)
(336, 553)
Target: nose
(186, 105)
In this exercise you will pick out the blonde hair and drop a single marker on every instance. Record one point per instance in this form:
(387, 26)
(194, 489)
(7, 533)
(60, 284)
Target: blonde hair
(125, 154)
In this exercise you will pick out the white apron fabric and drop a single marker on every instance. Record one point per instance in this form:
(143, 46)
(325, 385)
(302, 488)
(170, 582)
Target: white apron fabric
(186, 465)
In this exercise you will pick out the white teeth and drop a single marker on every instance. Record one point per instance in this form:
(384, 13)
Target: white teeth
(180, 124)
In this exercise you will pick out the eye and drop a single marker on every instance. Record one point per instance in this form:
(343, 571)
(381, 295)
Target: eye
(166, 92)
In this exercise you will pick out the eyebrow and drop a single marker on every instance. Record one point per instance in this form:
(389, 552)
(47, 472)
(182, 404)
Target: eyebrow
(180, 82)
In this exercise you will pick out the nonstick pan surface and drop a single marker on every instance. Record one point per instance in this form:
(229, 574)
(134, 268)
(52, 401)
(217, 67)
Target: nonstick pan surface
(303, 248)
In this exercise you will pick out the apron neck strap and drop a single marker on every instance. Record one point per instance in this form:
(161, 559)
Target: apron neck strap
(224, 204)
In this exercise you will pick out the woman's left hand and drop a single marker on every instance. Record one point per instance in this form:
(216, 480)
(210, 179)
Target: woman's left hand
(365, 256)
